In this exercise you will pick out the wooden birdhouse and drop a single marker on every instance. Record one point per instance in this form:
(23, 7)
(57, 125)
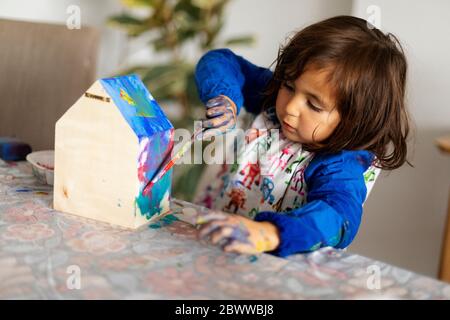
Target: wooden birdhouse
(108, 145)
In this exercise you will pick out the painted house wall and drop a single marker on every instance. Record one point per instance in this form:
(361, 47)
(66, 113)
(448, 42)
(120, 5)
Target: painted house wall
(108, 146)
(96, 162)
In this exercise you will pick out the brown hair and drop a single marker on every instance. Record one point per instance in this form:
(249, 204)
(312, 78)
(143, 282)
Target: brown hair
(368, 76)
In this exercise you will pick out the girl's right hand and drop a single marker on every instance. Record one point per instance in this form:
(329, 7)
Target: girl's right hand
(221, 116)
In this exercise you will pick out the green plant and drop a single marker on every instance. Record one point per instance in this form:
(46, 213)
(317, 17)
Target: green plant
(172, 25)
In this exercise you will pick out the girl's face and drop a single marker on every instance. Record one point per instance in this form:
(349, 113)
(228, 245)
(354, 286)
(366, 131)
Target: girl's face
(305, 105)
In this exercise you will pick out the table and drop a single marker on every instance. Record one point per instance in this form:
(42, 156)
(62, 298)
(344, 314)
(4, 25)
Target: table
(46, 254)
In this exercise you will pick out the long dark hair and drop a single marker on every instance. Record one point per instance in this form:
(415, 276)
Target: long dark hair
(368, 76)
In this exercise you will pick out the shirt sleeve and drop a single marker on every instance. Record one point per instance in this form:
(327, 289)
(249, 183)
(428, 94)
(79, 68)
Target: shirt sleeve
(221, 71)
(333, 209)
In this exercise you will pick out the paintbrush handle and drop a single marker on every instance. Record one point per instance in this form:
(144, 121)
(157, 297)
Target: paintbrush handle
(170, 164)
(180, 153)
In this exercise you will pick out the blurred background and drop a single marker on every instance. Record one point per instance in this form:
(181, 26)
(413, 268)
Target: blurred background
(405, 215)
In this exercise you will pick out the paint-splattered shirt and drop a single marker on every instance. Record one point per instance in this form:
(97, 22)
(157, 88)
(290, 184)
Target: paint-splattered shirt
(315, 200)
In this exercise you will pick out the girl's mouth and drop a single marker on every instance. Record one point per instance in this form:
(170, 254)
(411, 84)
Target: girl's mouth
(288, 127)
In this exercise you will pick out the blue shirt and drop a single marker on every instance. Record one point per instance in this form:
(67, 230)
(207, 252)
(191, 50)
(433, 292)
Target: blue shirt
(335, 182)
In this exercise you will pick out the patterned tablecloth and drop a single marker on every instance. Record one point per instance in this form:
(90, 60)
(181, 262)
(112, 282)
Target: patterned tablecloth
(45, 254)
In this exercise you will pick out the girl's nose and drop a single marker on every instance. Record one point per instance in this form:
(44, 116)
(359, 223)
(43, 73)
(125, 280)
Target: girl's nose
(292, 108)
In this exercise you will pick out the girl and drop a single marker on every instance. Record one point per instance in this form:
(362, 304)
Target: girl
(337, 94)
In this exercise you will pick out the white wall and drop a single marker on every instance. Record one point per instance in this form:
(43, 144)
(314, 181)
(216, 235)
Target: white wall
(405, 214)
(270, 23)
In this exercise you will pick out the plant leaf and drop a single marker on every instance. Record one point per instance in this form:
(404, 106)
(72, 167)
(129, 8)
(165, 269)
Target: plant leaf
(132, 25)
(125, 19)
(241, 40)
(139, 3)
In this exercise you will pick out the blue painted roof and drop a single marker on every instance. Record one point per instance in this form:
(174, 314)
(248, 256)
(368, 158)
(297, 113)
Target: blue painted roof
(136, 104)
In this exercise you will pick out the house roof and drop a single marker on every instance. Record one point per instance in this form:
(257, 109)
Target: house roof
(136, 104)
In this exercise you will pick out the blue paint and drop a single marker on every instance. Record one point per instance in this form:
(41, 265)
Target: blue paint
(156, 225)
(253, 258)
(155, 149)
(37, 192)
(154, 132)
(164, 221)
(136, 104)
(239, 234)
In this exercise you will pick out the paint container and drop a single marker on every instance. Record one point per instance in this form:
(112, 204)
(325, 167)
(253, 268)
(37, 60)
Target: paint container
(42, 163)
(13, 149)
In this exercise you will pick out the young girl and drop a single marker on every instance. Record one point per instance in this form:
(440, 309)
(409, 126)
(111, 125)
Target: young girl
(337, 96)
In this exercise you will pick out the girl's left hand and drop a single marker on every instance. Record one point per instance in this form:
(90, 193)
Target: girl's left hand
(235, 233)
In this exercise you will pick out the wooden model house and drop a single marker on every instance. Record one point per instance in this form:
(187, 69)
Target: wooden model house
(108, 145)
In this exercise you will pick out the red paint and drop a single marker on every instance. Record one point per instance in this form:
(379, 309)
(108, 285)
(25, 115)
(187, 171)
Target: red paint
(141, 172)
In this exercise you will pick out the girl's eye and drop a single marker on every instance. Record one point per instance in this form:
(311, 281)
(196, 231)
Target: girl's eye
(313, 107)
(289, 86)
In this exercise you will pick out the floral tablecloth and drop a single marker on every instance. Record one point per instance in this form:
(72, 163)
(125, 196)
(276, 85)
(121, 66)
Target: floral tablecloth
(45, 254)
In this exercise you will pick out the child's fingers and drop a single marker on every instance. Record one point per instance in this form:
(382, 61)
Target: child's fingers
(211, 216)
(215, 102)
(206, 230)
(224, 229)
(240, 234)
(234, 247)
(239, 247)
(215, 111)
(217, 122)
(207, 134)
(221, 234)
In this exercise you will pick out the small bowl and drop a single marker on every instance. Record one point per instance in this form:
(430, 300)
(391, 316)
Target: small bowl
(43, 164)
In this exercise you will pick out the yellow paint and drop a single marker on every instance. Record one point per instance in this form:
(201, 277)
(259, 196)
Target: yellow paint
(200, 220)
(263, 245)
(125, 96)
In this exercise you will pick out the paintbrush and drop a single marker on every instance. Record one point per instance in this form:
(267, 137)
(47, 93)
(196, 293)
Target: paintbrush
(166, 165)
